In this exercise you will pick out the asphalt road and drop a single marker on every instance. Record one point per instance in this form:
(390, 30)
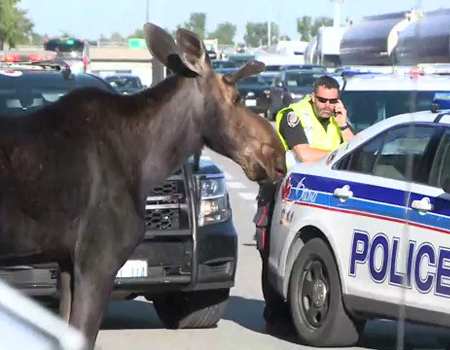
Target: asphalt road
(135, 325)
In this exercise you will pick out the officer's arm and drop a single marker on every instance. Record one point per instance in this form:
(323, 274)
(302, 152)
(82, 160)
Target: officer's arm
(295, 137)
(307, 154)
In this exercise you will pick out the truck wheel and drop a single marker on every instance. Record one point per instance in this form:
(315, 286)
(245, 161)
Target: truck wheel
(315, 298)
(199, 309)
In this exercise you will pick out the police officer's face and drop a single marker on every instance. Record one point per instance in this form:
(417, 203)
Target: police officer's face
(325, 101)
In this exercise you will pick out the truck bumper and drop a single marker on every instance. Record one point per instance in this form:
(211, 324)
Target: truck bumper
(214, 266)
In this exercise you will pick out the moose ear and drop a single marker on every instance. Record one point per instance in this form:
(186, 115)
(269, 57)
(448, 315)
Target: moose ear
(193, 53)
(160, 44)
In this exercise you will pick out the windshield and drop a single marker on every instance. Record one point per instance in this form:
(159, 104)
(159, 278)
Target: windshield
(125, 82)
(64, 46)
(300, 80)
(268, 79)
(366, 108)
(224, 64)
(255, 80)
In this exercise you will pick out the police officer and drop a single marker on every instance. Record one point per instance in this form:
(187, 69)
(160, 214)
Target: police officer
(309, 130)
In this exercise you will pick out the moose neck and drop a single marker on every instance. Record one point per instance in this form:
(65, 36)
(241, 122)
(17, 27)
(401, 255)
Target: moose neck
(174, 131)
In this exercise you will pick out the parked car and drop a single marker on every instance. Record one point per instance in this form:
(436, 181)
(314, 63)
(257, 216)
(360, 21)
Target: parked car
(125, 83)
(291, 86)
(364, 233)
(188, 255)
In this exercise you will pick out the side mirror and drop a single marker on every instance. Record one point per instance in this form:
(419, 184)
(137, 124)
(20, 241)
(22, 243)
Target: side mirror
(446, 185)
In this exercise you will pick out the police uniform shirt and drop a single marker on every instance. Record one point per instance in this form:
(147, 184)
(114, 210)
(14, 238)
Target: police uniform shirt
(292, 131)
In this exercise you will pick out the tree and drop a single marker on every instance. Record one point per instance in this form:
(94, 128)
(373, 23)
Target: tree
(197, 24)
(8, 22)
(256, 34)
(224, 33)
(304, 25)
(308, 29)
(138, 33)
(116, 37)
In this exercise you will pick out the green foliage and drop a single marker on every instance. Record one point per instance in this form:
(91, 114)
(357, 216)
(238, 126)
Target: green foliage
(309, 29)
(197, 24)
(224, 33)
(256, 34)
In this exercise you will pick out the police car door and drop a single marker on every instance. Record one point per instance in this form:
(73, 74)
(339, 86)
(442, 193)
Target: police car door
(369, 200)
(428, 245)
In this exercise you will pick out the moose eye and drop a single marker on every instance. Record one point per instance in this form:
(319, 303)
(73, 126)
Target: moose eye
(237, 99)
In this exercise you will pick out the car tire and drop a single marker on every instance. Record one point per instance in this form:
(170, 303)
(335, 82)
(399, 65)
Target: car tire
(315, 299)
(199, 309)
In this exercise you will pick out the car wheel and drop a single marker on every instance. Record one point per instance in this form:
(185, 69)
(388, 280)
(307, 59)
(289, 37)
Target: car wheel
(315, 298)
(199, 309)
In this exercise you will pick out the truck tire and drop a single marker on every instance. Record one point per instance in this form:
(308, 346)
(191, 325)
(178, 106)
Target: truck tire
(199, 309)
(315, 298)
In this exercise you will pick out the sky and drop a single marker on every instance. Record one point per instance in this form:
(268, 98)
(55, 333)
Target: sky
(88, 19)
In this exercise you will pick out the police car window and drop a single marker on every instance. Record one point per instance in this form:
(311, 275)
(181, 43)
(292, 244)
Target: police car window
(404, 145)
(363, 159)
(440, 171)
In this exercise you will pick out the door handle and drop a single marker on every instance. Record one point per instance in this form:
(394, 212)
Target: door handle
(343, 192)
(423, 205)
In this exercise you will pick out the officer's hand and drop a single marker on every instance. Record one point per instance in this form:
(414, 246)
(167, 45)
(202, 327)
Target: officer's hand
(340, 114)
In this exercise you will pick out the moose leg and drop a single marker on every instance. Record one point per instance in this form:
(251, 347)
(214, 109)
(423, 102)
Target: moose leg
(65, 290)
(91, 296)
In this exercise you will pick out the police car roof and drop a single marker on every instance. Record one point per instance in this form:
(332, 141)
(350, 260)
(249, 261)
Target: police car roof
(397, 82)
(30, 74)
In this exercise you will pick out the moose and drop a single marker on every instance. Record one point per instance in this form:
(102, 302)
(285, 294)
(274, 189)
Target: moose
(74, 175)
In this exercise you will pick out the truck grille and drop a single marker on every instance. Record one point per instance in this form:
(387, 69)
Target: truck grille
(166, 207)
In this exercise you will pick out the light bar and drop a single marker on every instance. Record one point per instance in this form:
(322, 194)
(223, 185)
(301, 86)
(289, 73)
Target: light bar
(27, 57)
(359, 70)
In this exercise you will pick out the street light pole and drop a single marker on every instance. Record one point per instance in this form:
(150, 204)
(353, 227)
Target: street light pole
(147, 14)
(337, 12)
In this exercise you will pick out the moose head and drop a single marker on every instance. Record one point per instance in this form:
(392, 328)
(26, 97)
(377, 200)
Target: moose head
(213, 104)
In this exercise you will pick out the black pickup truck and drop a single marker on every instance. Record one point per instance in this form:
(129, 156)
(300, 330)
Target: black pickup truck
(186, 263)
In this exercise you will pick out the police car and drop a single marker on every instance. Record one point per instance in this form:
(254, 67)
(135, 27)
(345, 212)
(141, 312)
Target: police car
(366, 230)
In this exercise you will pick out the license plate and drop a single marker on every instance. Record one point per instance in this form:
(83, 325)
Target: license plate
(133, 268)
(250, 102)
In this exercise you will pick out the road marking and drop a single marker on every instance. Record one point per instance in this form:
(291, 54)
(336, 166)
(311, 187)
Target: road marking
(228, 176)
(235, 184)
(248, 196)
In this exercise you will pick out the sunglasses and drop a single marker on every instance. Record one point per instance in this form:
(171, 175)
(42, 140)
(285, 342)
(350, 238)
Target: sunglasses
(333, 101)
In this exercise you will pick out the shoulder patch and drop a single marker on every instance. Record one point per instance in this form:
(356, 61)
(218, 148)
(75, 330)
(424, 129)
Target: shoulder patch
(292, 119)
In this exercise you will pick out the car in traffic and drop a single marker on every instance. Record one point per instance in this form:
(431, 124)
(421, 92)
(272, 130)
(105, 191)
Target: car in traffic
(218, 64)
(254, 93)
(188, 256)
(291, 86)
(125, 83)
(281, 67)
(364, 233)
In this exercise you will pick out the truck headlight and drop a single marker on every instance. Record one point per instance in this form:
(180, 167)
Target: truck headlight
(214, 205)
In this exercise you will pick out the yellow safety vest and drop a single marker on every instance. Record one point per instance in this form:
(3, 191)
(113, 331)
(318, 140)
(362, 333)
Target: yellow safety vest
(318, 137)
